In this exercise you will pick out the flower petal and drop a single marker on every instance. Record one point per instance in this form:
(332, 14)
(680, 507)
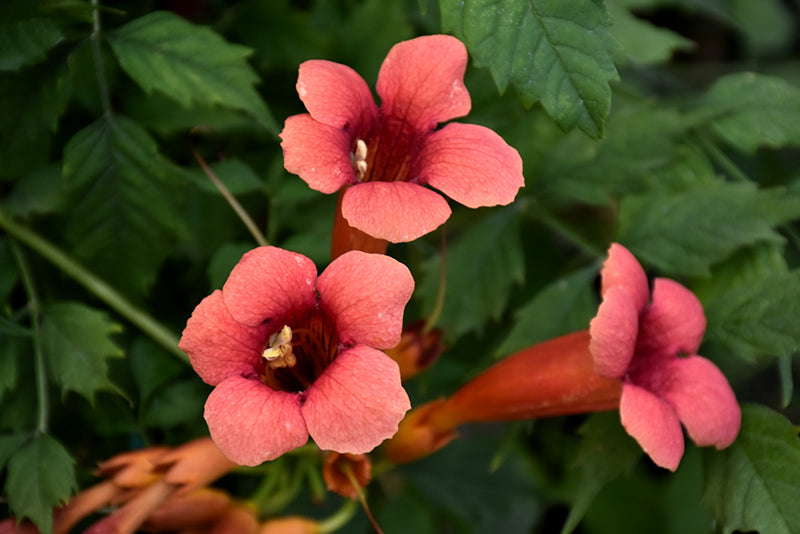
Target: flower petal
(317, 153)
(674, 323)
(251, 423)
(269, 283)
(366, 295)
(357, 402)
(614, 331)
(653, 424)
(396, 211)
(621, 269)
(334, 94)
(217, 345)
(422, 81)
(701, 396)
(471, 164)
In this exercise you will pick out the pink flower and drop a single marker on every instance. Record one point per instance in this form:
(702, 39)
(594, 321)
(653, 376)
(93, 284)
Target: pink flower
(652, 346)
(293, 355)
(385, 156)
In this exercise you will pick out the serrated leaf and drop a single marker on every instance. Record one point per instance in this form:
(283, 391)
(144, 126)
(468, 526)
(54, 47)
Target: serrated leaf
(641, 142)
(642, 42)
(31, 103)
(685, 232)
(190, 64)
(758, 312)
(10, 444)
(753, 110)
(76, 341)
(41, 191)
(564, 306)
(552, 51)
(26, 35)
(124, 214)
(606, 453)
(754, 485)
(482, 268)
(40, 477)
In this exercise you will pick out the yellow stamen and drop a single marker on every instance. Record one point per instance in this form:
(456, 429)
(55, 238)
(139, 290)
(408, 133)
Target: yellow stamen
(279, 350)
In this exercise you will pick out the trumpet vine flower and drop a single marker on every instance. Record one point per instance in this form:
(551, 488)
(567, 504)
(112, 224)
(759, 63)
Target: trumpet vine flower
(650, 342)
(291, 354)
(382, 158)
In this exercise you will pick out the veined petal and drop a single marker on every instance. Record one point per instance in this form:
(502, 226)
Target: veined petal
(472, 165)
(217, 345)
(422, 81)
(317, 153)
(614, 331)
(674, 323)
(267, 284)
(653, 424)
(366, 295)
(702, 398)
(621, 269)
(251, 423)
(334, 94)
(396, 211)
(357, 402)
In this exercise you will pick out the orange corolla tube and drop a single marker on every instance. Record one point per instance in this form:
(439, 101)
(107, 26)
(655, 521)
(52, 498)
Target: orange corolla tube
(552, 378)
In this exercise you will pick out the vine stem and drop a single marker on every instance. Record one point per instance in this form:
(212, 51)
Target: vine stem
(39, 364)
(95, 285)
(722, 159)
(98, 58)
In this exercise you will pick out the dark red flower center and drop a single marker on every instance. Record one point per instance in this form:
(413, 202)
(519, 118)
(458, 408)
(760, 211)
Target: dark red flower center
(296, 355)
(387, 154)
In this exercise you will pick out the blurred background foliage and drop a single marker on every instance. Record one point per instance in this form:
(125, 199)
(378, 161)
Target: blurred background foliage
(670, 126)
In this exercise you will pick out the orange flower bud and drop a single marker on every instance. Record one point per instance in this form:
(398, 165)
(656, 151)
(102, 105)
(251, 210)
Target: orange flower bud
(417, 349)
(289, 525)
(340, 470)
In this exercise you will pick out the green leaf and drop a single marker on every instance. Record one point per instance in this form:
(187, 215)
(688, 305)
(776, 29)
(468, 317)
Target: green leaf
(688, 231)
(178, 404)
(223, 261)
(125, 212)
(10, 348)
(190, 64)
(31, 104)
(755, 110)
(152, 367)
(482, 268)
(237, 176)
(9, 445)
(642, 42)
(549, 50)
(606, 453)
(641, 143)
(40, 477)
(76, 341)
(41, 191)
(756, 310)
(26, 34)
(754, 485)
(566, 305)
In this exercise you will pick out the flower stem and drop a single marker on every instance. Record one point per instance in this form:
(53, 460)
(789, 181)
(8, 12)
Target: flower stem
(339, 519)
(228, 196)
(98, 58)
(95, 285)
(39, 364)
(348, 470)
